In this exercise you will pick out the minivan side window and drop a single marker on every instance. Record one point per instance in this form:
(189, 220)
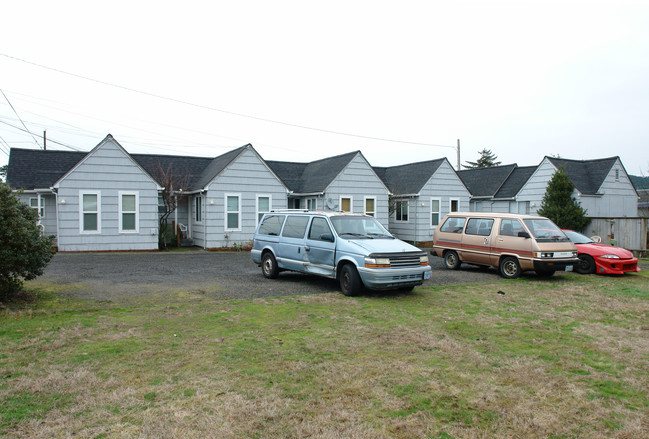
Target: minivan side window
(479, 226)
(318, 228)
(295, 226)
(271, 225)
(453, 225)
(510, 227)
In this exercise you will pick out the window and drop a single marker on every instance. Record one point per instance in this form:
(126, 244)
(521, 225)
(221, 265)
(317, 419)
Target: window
(128, 208)
(318, 228)
(453, 225)
(370, 203)
(90, 212)
(346, 204)
(479, 226)
(295, 226)
(401, 210)
(510, 227)
(435, 204)
(232, 212)
(455, 205)
(263, 205)
(33, 203)
(198, 209)
(271, 225)
(617, 175)
(312, 204)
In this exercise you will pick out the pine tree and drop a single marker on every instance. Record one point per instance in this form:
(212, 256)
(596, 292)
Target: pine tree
(487, 159)
(559, 205)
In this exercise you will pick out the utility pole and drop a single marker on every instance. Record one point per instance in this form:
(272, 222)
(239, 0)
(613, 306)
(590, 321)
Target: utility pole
(458, 154)
(44, 140)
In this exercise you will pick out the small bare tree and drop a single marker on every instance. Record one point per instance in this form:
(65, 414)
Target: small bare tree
(173, 183)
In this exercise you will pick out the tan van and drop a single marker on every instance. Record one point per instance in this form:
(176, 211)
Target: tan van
(508, 242)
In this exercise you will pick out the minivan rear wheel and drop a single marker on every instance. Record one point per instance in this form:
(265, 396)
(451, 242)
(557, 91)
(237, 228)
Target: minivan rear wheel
(269, 266)
(510, 268)
(452, 260)
(350, 281)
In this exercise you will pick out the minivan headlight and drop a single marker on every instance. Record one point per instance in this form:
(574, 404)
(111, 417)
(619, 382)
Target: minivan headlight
(423, 260)
(377, 262)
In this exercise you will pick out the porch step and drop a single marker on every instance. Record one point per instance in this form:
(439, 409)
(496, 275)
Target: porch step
(186, 242)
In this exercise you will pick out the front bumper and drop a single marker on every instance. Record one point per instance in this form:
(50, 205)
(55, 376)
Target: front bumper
(393, 278)
(555, 265)
(616, 266)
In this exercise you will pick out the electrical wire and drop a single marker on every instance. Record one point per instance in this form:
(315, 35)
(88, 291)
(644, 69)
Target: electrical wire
(206, 107)
(21, 121)
(49, 140)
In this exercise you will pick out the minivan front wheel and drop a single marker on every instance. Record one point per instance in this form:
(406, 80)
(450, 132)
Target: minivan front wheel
(350, 281)
(452, 260)
(510, 268)
(269, 266)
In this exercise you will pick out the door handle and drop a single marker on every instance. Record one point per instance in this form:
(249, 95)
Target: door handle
(486, 241)
(307, 248)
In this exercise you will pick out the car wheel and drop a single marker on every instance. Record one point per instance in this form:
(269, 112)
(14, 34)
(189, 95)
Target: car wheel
(269, 266)
(452, 260)
(510, 268)
(350, 281)
(586, 265)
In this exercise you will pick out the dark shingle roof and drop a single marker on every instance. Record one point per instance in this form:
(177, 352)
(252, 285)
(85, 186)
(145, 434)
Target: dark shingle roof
(409, 178)
(311, 177)
(515, 182)
(187, 170)
(586, 175)
(38, 169)
(485, 182)
(640, 183)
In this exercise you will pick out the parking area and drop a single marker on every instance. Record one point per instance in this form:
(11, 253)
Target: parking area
(154, 276)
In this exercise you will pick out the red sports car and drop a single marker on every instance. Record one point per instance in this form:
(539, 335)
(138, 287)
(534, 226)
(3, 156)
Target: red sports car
(601, 258)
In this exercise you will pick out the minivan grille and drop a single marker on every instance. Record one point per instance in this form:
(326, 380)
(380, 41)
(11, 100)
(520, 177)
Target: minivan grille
(404, 261)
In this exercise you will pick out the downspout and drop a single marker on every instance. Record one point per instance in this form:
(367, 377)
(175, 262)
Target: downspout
(205, 222)
(56, 202)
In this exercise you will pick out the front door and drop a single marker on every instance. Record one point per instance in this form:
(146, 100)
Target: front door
(320, 250)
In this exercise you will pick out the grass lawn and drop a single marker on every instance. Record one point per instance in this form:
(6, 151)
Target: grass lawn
(559, 358)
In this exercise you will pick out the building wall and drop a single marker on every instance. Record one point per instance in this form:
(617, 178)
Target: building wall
(358, 181)
(48, 203)
(107, 170)
(534, 190)
(247, 176)
(618, 199)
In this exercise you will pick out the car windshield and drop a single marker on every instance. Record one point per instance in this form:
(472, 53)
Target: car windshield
(545, 230)
(578, 238)
(360, 227)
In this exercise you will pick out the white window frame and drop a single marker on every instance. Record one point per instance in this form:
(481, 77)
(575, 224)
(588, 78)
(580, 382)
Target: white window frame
(198, 199)
(81, 212)
(396, 213)
(450, 205)
(312, 203)
(373, 212)
(40, 208)
(136, 212)
(438, 212)
(270, 205)
(225, 217)
(351, 203)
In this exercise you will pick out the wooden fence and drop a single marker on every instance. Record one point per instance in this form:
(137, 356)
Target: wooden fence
(630, 233)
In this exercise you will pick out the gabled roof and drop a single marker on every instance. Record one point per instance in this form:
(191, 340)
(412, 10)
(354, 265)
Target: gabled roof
(312, 177)
(587, 175)
(189, 169)
(515, 182)
(410, 178)
(38, 169)
(486, 182)
(640, 183)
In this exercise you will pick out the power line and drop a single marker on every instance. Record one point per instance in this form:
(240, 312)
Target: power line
(206, 107)
(21, 121)
(49, 140)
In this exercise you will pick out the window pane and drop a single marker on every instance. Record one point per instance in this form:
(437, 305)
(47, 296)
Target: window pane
(90, 203)
(128, 221)
(454, 206)
(295, 226)
(345, 204)
(33, 202)
(319, 227)
(128, 203)
(89, 221)
(271, 225)
(233, 221)
(435, 205)
(369, 205)
(264, 204)
(434, 219)
(233, 204)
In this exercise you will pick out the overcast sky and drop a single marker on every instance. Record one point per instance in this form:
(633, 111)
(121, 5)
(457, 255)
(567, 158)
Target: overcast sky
(524, 79)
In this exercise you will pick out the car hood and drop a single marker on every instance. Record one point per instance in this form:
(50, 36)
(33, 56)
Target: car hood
(383, 245)
(596, 249)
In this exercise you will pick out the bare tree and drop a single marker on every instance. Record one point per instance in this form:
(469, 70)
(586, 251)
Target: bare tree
(173, 183)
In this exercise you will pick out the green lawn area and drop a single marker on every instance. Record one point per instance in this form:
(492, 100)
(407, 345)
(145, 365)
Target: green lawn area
(559, 358)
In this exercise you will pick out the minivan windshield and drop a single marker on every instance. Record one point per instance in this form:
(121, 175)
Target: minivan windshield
(360, 227)
(545, 230)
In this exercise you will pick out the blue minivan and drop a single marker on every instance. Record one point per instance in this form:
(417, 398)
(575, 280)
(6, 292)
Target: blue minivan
(354, 249)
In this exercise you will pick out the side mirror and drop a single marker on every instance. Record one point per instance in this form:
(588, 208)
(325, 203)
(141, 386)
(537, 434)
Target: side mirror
(327, 237)
(523, 235)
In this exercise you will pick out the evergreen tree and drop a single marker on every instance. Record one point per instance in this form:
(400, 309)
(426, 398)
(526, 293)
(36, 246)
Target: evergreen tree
(3, 173)
(559, 205)
(24, 253)
(487, 159)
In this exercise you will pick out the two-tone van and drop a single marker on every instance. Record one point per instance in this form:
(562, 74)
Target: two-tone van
(510, 243)
(354, 249)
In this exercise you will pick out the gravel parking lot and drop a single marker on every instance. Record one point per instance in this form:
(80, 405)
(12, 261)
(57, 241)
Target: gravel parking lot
(157, 276)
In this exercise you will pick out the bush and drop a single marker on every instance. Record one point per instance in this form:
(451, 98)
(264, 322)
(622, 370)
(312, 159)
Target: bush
(24, 253)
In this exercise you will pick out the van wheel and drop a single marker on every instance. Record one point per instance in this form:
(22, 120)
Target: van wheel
(350, 281)
(269, 266)
(452, 260)
(510, 268)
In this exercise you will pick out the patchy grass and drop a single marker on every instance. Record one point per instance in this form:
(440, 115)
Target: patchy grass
(565, 357)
